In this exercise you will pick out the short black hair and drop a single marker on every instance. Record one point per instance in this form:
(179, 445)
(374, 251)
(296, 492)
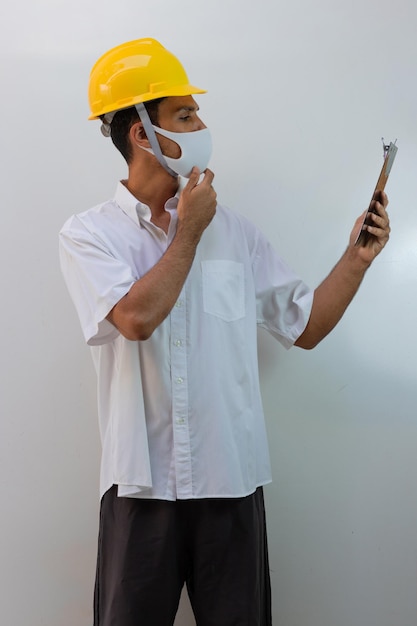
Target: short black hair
(123, 121)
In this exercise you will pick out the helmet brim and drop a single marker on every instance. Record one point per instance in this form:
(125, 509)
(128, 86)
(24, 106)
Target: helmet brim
(178, 90)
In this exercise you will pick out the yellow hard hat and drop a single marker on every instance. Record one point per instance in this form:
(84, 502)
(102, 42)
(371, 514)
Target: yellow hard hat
(134, 72)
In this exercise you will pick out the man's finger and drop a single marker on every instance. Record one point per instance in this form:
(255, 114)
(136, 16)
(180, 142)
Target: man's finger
(208, 178)
(193, 179)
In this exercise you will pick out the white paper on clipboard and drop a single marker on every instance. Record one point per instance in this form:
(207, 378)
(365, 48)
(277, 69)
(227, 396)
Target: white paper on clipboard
(389, 155)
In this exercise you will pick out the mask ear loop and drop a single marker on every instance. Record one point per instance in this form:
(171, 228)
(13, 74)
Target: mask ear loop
(150, 133)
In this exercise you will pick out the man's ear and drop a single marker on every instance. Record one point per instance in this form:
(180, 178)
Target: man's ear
(138, 136)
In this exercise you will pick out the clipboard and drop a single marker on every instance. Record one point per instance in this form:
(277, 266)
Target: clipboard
(390, 152)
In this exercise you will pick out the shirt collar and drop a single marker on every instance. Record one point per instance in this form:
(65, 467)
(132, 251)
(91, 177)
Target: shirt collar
(131, 205)
(136, 209)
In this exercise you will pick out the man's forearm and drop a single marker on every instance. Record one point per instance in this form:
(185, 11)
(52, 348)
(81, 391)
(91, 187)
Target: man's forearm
(152, 297)
(335, 293)
(332, 297)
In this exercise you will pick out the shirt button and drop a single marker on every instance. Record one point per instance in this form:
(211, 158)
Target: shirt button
(178, 343)
(178, 304)
(180, 380)
(180, 420)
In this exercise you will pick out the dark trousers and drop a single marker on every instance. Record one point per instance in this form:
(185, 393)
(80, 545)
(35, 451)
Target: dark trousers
(148, 549)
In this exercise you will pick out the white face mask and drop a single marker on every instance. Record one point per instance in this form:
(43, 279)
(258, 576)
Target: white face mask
(196, 148)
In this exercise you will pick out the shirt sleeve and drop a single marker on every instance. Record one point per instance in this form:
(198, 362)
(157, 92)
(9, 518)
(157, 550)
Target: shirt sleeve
(283, 300)
(95, 279)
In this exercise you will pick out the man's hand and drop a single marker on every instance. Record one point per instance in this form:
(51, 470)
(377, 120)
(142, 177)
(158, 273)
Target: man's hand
(197, 203)
(379, 228)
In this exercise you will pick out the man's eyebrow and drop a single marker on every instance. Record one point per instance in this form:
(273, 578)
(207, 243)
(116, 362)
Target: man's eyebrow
(188, 108)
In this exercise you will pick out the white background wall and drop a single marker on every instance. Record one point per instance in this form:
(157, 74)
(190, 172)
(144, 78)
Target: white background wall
(300, 94)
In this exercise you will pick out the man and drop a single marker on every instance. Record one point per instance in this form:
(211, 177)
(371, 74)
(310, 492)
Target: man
(170, 288)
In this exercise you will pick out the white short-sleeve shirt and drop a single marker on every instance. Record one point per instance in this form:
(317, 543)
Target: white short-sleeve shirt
(180, 414)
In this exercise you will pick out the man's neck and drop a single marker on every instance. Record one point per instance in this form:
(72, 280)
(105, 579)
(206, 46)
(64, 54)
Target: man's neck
(153, 187)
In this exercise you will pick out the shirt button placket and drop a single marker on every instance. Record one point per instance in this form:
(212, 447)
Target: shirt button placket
(179, 383)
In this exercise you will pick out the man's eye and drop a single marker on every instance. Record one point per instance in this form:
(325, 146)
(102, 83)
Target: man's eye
(185, 118)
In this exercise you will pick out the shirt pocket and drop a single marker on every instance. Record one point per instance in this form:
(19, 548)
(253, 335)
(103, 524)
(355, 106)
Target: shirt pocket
(224, 289)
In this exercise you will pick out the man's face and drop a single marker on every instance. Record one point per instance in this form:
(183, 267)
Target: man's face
(177, 114)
